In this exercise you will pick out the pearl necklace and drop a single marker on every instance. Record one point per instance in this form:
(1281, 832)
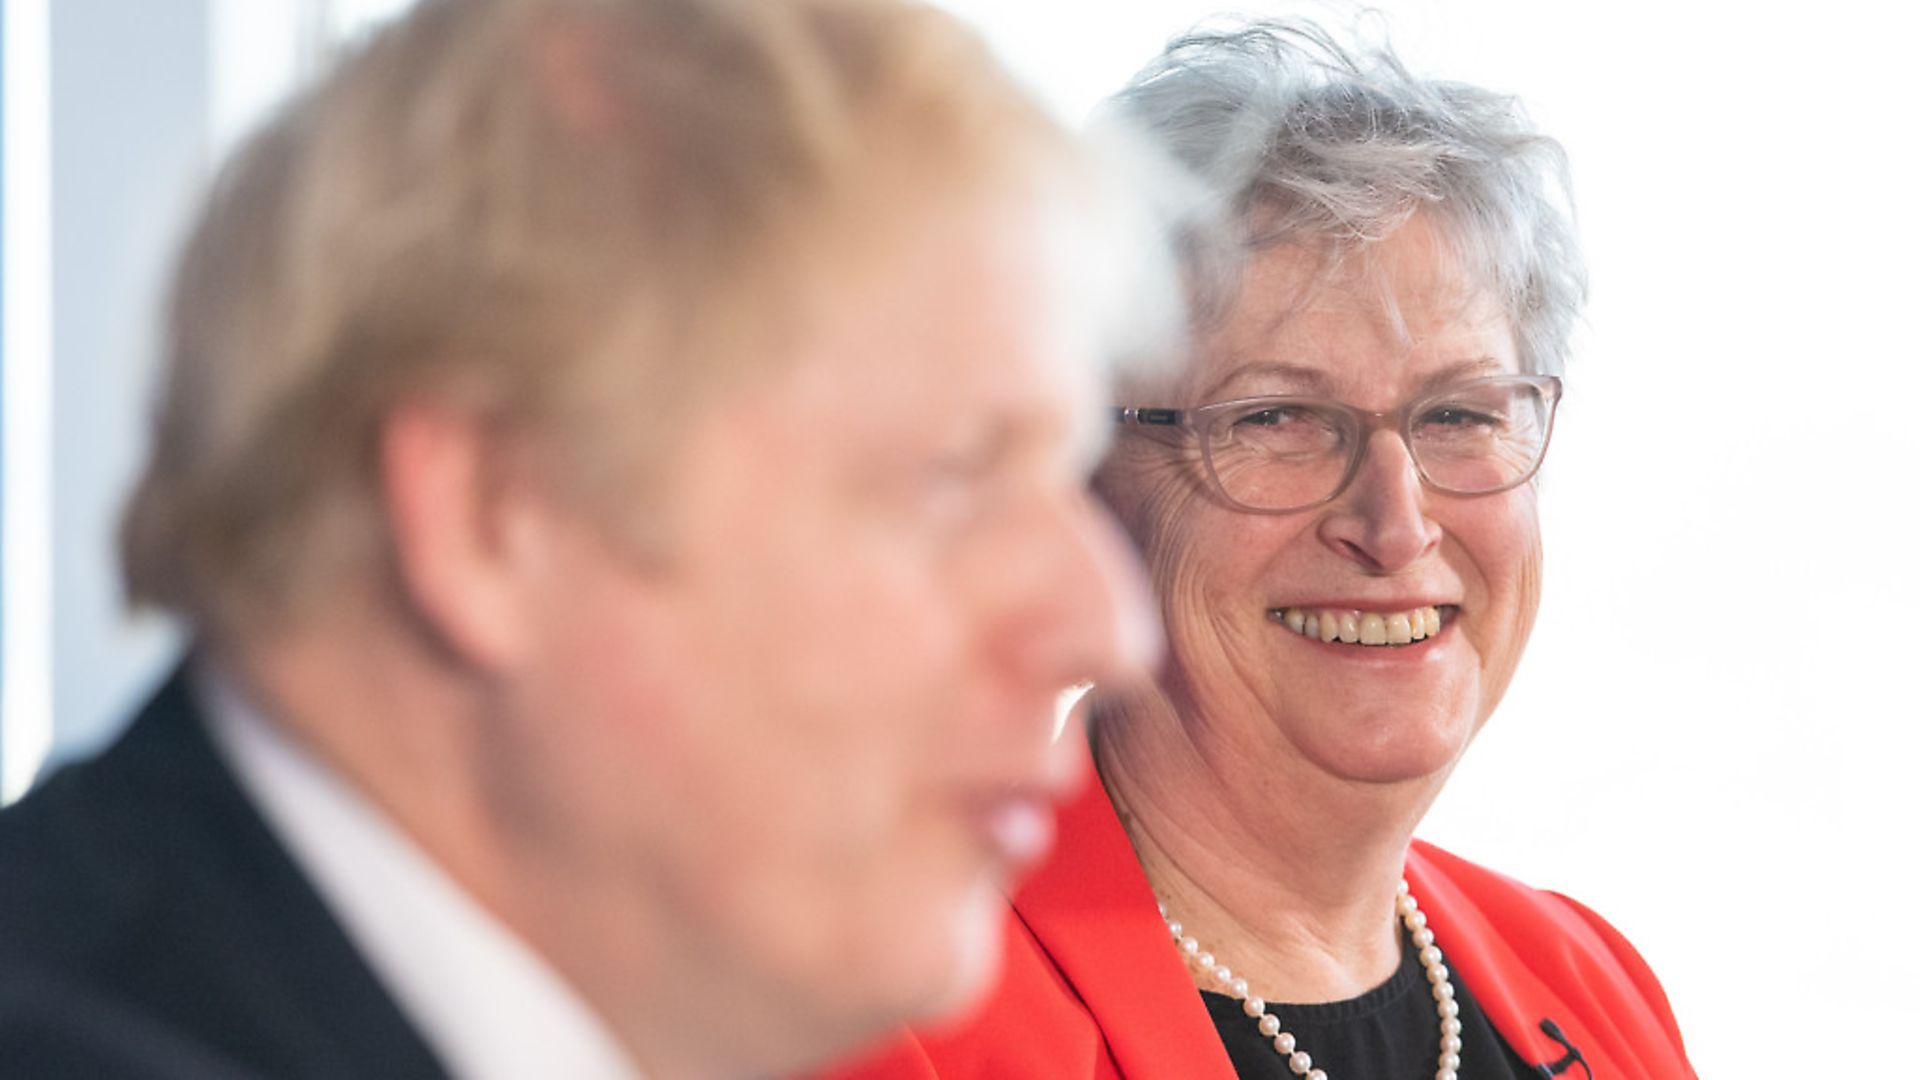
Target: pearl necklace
(1285, 1044)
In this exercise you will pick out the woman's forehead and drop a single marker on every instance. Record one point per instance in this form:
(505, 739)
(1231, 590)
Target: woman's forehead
(1325, 339)
(1351, 382)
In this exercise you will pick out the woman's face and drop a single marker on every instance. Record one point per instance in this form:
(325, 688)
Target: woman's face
(1378, 332)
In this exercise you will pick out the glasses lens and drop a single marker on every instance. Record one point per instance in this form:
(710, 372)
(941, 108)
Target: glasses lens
(1482, 436)
(1278, 455)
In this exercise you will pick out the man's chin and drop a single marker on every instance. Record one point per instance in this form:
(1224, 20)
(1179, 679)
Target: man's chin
(878, 1023)
(976, 939)
(921, 972)
(944, 984)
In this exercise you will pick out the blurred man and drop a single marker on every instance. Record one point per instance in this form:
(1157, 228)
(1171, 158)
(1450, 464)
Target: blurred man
(621, 461)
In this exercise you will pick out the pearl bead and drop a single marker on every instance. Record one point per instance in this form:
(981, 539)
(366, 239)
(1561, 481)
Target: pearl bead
(1284, 1043)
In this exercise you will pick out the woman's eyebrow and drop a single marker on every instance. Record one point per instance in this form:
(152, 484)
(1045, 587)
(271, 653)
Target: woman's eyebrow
(1299, 378)
(1477, 367)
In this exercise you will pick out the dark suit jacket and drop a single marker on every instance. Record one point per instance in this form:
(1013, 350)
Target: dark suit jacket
(152, 926)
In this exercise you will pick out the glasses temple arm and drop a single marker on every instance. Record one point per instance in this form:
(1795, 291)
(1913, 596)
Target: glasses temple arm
(1155, 417)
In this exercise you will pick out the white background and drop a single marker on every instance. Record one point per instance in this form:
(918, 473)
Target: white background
(1711, 740)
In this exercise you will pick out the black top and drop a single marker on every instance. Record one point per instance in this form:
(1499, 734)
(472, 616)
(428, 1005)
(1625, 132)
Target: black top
(1391, 1032)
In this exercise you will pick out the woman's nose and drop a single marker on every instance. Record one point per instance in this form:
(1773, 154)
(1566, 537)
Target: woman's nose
(1380, 521)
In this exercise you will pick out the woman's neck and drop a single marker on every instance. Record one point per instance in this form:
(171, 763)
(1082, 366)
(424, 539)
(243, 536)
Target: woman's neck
(1285, 874)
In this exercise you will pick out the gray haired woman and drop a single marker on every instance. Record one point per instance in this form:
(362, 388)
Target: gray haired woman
(1335, 501)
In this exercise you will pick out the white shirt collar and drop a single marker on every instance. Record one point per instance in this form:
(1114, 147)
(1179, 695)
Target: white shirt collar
(489, 1006)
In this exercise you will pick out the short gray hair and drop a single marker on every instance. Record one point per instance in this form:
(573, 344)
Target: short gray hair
(1305, 142)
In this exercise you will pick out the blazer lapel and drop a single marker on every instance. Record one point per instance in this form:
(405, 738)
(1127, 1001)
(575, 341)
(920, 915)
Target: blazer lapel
(1509, 985)
(1093, 912)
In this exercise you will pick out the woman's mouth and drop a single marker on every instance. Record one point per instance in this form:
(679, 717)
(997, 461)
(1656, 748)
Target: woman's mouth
(1354, 627)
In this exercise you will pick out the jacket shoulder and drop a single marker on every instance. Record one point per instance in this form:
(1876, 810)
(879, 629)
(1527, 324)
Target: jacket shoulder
(80, 850)
(1535, 958)
(143, 895)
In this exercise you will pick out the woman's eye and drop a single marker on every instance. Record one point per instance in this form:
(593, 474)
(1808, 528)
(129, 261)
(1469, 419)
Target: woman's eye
(1455, 416)
(1274, 417)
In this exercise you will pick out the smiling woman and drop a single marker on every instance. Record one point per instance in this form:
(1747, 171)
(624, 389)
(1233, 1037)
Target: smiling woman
(1372, 540)
(1335, 505)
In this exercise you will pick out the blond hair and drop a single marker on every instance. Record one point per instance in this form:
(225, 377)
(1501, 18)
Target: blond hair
(574, 217)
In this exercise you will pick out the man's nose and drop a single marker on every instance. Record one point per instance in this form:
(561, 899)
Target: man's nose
(1087, 612)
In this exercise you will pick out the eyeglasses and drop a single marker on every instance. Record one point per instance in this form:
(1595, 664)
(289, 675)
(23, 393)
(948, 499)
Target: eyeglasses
(1273, 455)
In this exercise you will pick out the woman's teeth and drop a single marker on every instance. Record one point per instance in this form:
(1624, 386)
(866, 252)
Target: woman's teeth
(1361, 627)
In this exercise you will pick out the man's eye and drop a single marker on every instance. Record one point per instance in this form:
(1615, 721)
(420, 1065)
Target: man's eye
(967, 464)
(962, 479)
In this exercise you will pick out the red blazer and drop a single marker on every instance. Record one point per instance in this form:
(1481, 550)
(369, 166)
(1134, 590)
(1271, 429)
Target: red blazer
(1092, 988)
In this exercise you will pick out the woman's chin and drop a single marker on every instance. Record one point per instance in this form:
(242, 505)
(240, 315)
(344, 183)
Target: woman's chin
(1388, 749)
(1403, 770)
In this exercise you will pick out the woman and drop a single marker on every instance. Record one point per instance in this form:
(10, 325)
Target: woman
(1336, 506)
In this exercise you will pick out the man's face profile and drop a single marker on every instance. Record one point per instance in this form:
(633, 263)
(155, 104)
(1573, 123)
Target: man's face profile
(881, 572)
(639, 448)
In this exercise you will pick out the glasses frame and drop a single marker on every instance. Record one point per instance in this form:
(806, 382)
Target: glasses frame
(1365, 422)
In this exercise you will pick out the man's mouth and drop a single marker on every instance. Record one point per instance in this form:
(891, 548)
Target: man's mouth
(1353, 627)
(1016, 828)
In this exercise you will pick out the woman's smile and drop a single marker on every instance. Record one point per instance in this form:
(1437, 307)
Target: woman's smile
(1367, 628)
